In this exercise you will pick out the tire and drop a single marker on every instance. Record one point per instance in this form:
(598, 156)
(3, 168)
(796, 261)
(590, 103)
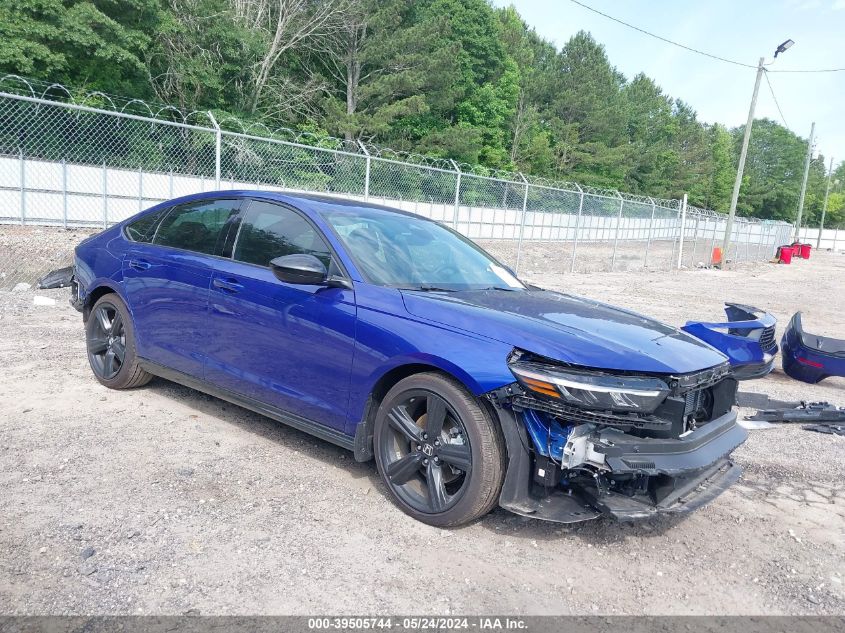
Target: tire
(438, 451)
(110, 341)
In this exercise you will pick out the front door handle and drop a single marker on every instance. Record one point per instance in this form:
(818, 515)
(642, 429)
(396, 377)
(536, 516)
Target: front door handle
(227, 285)
(139, 264)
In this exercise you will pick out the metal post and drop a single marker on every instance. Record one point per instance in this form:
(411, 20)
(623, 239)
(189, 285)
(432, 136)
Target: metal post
(695, 240)
(759, 241)
(824, 206)
(835, 237)
(170, 184)
(521, 224)
(64, 193)
(218, 147)
(807, 161)
(650, 230)
(681, 234)
(577, 226)
(105, 197)
(741, 167)
(140, 189)
(367, 170)
(458, 197)
(616, 235)
(23, 186)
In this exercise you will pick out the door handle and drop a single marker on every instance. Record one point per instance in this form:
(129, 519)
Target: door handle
(227, 285)
(139, 264)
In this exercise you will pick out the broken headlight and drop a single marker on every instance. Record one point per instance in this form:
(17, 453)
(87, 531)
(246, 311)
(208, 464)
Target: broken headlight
(591, 389)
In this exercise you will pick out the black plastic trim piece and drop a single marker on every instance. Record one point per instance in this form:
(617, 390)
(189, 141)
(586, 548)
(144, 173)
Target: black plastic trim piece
(291, 419)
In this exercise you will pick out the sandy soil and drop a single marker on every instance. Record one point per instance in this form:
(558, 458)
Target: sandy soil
(191, 504)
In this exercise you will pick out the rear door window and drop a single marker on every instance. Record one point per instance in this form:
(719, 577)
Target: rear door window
(269, 230)
(197, 227)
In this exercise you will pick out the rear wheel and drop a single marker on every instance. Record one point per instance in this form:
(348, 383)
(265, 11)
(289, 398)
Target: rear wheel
(438, 451)
(110, 339)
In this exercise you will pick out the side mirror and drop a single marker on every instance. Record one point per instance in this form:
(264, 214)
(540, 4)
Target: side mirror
(299, 269)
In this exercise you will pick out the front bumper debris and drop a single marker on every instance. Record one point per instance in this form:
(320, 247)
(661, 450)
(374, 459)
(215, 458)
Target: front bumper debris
(747, 339)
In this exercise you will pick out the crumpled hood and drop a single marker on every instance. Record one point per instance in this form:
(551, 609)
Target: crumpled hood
(568, 328)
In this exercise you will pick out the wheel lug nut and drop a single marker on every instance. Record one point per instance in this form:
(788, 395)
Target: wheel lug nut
(425, 462)
(419, 447)
(425, 436)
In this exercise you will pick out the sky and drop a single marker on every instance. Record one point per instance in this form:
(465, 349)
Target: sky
(743, 30)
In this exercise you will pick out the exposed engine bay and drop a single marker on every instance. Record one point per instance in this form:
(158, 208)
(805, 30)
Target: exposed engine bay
(629, 446)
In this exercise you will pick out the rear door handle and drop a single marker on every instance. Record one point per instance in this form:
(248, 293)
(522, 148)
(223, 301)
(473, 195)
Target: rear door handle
(139, 264)
(227, 285)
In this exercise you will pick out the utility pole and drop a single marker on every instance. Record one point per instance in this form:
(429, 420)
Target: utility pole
(824, 206)
(806, 174)
(726, 242)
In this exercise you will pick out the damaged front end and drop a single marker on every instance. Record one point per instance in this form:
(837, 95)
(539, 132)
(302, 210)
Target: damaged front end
(584, 443)
(747, 339)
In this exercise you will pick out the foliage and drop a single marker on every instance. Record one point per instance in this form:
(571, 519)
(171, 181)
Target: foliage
(455, 79)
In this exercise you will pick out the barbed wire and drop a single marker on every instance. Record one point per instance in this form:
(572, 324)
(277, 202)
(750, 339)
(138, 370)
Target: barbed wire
(14, 84)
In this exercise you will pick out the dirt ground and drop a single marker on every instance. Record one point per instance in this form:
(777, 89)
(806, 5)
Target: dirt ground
(161, 500)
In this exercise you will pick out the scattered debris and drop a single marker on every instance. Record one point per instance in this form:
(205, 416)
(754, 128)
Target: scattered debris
(763, 401)
(829, 429)
(58, 278)
(806, 412)
(21, 287)
(87, 553)
(811, 358)
(747, 339)
(43, 301)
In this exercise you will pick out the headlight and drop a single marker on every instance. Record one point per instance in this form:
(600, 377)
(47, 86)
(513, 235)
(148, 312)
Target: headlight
(591, 390)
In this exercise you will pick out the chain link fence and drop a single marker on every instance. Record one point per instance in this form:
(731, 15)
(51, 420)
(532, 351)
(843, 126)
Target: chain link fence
(72, 164)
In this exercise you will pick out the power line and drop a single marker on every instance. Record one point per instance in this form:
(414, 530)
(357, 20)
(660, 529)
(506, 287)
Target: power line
(695, 50)
(772, 90)
(661, 38)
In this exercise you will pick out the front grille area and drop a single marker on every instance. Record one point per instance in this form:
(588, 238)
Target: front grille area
(767, 338)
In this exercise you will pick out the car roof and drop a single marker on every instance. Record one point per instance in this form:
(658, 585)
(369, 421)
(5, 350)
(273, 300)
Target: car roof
(305, 201)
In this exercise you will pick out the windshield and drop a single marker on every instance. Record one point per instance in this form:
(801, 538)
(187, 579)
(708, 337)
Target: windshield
(392, 249)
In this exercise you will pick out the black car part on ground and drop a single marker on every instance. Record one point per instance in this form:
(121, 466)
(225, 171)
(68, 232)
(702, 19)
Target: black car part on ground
(805, 412)
(59, 278)
(671, 461)
(763, 401)
(828, 429)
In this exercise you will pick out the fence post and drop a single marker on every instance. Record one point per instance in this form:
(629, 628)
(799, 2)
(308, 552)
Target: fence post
(218, 147)
(140, 189)
(170, 183)
(577, 226)
(650, 230)
(521, 224)
(835, 237)
(105, 196)
(681, 233)
(23, 186)
(64, 193)
(616, 235)
(695, 239)
(458, 196)
(367, 171)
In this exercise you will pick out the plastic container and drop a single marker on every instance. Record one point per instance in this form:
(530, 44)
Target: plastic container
(805, 250)
(716, 256)
(785, 254)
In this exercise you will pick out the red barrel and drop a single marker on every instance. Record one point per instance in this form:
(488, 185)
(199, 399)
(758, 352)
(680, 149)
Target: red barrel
(805, 251)
(785, 254)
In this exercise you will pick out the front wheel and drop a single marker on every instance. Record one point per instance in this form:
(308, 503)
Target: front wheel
(438, 451)
(110, 339)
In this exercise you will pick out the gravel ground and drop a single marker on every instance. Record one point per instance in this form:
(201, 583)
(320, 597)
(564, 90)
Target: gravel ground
(161, 500)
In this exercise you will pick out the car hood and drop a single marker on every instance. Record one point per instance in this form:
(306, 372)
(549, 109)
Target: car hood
(567, 328)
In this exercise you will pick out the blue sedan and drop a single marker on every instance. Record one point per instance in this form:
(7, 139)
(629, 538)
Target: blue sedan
(397, 338)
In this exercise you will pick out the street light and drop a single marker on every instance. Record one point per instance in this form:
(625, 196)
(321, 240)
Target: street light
(783, 47)
(726, 242)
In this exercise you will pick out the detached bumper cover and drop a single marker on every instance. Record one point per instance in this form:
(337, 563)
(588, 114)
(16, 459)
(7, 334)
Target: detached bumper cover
(808, 357)
(747, 339)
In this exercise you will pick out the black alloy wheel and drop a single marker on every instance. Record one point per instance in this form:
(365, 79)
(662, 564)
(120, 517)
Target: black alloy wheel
(439, 450)
(106, 341)
(426, 456)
